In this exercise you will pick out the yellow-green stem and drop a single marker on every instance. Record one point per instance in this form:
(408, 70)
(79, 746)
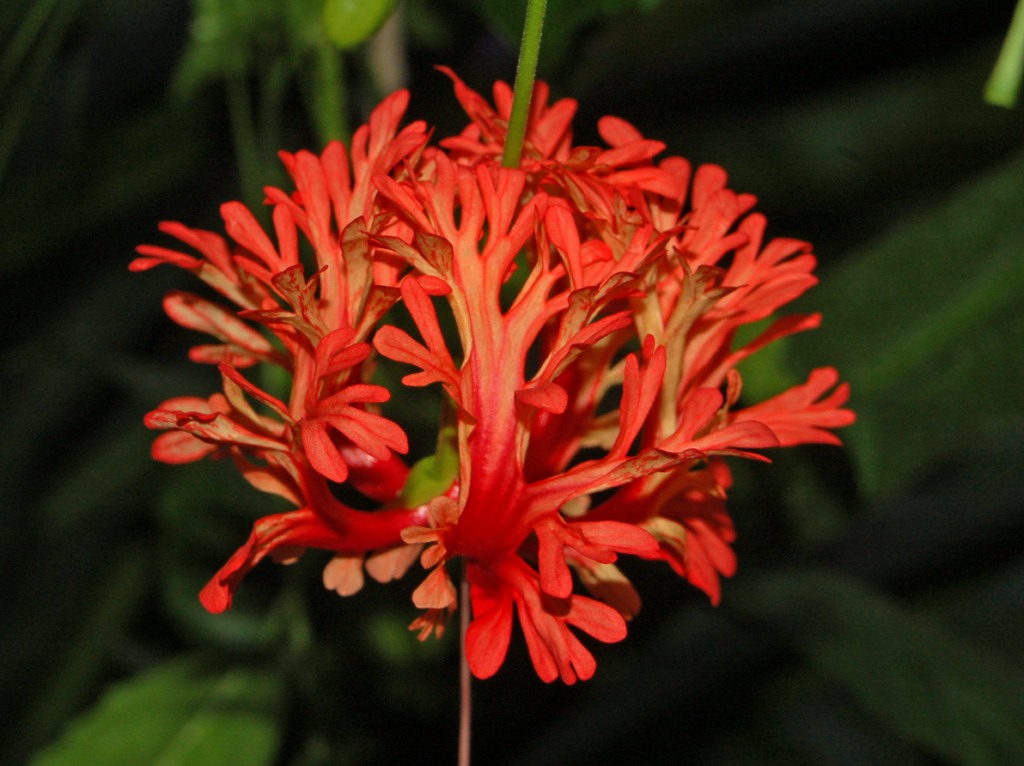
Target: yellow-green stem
(328, 95)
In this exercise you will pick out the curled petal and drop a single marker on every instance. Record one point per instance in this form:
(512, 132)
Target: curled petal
(436, 591)
(276, 476)
(736, 439)
(488, 635)
(697, 546)
(177, 447)
(373, 434)
(617, 131)
(611, 586)
(242, 226)
(301, 295)
(152, 256)
(216, 595)
(430, 623)
(391, 563)
(555, 651)
(344, 574)
(197, 313)
(379, 480)
(284, 531)
(214, 428)
(237, 400)
(802, 414)
(322, 452)
(640, 389)
(565, 236)
(562, 357)
(349, 532)
(336, 352)
(598, 541)
(546, 396)
(397, 344)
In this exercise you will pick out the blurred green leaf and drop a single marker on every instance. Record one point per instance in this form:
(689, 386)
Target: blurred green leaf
(130, 162)
(987, 611)
(25, 62)
(961, 523)
(907, 671)
(207, 506)
(181, 713)
(222, 40)
(802, 713)
(920, 322)
(205, 512)
(258, 49)
(1004, 84)
(231, 39)
(695, 660)
(106, 473)
(425, 26)
(239, 629)
(350, 22)
(81, 659)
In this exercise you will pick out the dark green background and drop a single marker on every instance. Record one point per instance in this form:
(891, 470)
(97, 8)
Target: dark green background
(878, 613)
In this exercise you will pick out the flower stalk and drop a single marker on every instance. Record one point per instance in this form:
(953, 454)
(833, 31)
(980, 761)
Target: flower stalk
(465, 680)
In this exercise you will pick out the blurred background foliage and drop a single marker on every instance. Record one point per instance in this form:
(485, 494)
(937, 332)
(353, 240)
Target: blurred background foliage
(878, 615)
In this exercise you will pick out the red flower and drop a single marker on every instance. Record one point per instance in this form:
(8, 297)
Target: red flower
(597, 297)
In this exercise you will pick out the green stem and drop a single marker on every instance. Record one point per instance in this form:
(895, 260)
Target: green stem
(529, 52)
(328, 95)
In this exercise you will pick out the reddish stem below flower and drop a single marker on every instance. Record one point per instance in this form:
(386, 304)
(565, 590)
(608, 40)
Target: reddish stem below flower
(465, 677)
